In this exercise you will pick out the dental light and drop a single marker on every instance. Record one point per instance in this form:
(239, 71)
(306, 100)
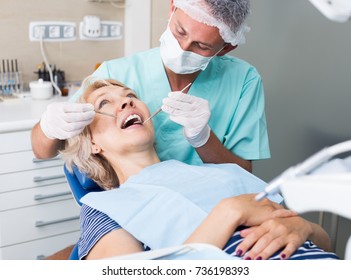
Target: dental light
(305, 168)
(335, 10)
(304, 191)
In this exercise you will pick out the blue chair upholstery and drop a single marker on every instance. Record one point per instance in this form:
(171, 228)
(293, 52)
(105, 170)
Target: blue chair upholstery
(74, 254)
(80, 185)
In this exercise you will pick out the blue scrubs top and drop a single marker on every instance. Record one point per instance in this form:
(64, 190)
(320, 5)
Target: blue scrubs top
(234, 91)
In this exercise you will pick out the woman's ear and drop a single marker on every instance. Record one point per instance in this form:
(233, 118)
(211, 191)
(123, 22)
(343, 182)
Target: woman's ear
(95, 149)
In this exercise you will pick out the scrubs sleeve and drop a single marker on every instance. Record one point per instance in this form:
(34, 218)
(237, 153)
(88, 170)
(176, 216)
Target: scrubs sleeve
(248, 136)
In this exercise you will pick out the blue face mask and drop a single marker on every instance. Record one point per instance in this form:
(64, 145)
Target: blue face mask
(178, 60)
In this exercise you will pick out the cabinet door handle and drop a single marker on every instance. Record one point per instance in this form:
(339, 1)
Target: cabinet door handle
(42, 196)
(37, 160)
(41, 257)
(46, 178)
(43, 223)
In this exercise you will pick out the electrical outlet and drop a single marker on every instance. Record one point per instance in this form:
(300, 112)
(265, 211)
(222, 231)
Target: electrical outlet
(104, 30)
(39, 31)
(110, 30)
(54, 31)
(69, 31)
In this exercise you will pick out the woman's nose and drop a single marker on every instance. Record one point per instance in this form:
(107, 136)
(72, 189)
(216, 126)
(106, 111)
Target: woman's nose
(128, 103)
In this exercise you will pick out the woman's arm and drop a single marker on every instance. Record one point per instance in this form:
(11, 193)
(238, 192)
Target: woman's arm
(320, 237)
(232, 212)
(115, 243)
(217, 228)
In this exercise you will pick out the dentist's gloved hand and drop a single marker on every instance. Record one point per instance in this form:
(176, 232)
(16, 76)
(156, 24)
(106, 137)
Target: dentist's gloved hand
(192, 113)
(63, 120)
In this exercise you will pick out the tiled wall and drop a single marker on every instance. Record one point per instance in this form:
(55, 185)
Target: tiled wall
(77, 58)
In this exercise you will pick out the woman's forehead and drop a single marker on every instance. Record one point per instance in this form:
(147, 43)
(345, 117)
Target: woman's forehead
(108, 90)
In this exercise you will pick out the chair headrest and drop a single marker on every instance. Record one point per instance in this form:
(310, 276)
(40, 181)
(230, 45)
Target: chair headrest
(80, 184)
(84, 180)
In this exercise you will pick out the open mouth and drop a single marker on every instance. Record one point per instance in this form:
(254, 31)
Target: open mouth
(131, 120)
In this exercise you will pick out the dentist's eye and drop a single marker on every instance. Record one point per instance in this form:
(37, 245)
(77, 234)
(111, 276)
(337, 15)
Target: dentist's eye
(203, 47)
(180, 31)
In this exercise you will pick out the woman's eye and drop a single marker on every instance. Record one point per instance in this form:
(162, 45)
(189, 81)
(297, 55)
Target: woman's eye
(131, 95)
(102, 103)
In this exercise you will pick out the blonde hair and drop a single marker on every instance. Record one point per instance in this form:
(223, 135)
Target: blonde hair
(77, 150)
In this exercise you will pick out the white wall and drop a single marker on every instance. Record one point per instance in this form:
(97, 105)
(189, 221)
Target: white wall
(137, 28)
(305, 63)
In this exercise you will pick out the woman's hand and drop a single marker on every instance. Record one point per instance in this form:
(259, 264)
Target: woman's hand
(261, 242)
(232, 212)
(250, 212)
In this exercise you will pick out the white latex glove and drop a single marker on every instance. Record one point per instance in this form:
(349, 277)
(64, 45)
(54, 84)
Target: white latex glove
(192, 113)
(63, 120)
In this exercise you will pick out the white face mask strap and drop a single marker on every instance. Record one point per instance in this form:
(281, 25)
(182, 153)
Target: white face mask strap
(170, 18)
(225, 44)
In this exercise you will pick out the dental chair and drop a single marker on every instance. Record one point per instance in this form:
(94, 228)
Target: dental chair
(80, 185)
(317, 192)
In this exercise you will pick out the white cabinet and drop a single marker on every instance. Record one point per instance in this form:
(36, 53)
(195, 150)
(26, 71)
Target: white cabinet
(38, 249)
(38, 215)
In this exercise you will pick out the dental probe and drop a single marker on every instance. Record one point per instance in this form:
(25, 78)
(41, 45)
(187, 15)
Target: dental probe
(154, 114)
(159, 110)
(106, 114)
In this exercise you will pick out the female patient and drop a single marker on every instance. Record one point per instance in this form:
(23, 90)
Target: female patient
(151, 204)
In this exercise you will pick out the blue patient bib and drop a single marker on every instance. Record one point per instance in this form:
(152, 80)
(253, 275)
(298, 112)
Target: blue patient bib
(163, 204)
(156, 216)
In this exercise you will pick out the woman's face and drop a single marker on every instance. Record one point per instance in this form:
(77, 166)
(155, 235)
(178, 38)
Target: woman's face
(125, 133)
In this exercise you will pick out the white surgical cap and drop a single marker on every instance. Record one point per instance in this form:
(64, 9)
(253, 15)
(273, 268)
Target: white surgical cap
(200, 11)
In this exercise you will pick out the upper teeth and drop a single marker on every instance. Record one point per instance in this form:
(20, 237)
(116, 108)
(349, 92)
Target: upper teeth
(133, 116)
